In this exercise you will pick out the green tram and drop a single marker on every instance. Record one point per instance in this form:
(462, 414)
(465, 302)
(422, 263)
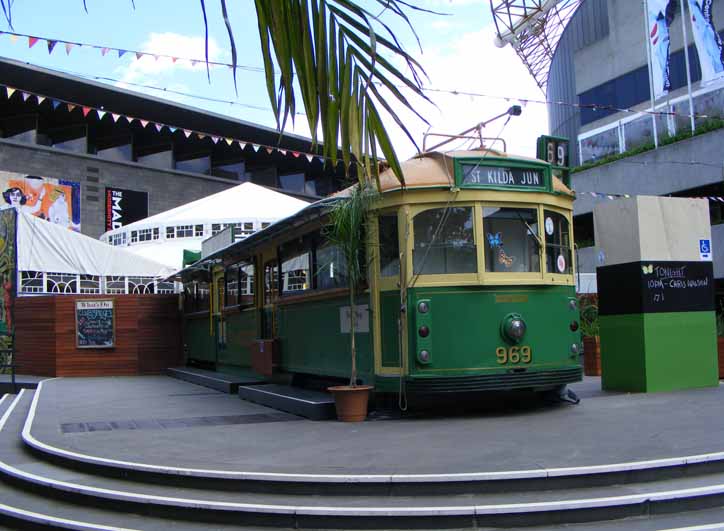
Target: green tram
(470, 286)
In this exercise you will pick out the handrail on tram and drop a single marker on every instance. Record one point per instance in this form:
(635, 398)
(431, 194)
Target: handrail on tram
(514, 110)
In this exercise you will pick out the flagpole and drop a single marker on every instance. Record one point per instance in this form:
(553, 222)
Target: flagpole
(651, 74)
(686, 58)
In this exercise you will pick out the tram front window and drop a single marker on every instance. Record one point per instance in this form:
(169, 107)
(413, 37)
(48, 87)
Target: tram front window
(444, 241)
(558, 243)
(511, 240)
(389, 246)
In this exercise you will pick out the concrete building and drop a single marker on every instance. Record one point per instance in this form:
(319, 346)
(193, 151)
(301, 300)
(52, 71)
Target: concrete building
(601, 63)
(67, 150)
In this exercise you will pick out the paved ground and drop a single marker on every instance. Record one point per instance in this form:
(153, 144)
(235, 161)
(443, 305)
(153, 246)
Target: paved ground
(164, 421)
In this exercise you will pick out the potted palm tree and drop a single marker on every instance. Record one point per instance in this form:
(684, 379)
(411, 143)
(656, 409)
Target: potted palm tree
(346, 230)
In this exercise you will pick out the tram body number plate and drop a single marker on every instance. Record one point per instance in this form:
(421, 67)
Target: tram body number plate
(514, 355)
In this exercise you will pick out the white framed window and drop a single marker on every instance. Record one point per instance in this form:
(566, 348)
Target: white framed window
(62, 283)
(90, 284)
(134, 236)
(185, 231)
(32, 282)
(115, 285)
(170, 234)
(198, 231)
(146, 235)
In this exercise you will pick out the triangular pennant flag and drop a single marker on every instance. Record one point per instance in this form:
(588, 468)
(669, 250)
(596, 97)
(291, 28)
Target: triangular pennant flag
(215, 139)
(13, 38)
(55, 104)
(187, 133)
(310, 158)
(242, 145)
(283, 151)
(10, 91)
(155, 57)
(144, 123)
(158, 127)
(51, 45)
(194, 62)
(68, 47)
(229, 141)
(120, 53)
(32, 41)
(295, 154)
(174, 59)
(25, 96)
(115, 116)
(139, 55)
(101, 114)
(41, 99)
(172, 129)
(71, 107)
(255, 147)
(86, 110)
(201, 136)
(269, 150)
(104, 51)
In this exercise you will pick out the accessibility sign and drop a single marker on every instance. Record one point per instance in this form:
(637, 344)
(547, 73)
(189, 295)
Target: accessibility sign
(705, 250)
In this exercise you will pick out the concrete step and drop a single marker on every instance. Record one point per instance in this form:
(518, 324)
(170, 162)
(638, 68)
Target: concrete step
(314, 405)
(373, 511)
(226, 383)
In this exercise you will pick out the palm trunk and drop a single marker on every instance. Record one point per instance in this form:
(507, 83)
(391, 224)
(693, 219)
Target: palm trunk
(352, 319)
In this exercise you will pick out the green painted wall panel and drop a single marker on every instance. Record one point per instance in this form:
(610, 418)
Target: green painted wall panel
(240, 332)
(465, 324)
(311, 341)
(623, 365)
(199, 344)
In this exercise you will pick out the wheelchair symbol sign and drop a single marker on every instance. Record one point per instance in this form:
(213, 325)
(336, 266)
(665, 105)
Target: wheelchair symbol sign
(705, 250)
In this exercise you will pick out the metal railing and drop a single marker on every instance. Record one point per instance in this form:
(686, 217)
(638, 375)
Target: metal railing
(7, 358)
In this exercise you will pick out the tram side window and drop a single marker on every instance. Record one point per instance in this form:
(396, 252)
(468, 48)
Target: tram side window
(330, 268)
(295, 258)
(231, 275)
(271, 282)
(558, 243)
(389, 246)
(189, 297)
(511, 240)
(445, 241)
(246, 283)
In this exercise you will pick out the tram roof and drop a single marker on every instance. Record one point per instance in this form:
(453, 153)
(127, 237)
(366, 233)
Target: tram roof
(424, 170)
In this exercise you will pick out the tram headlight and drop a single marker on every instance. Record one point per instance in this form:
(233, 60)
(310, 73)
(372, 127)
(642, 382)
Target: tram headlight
(423, 307)
(513, 327)
(424, 356)
(424, 331)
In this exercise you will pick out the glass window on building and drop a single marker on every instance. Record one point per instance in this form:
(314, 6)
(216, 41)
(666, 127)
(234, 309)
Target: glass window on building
(389, 246)
(295, 259)
(512, 243)
(185, 231)
(170, 234)
(558, 243)
(444, 241)
(198, 231)
(246, 283)
(331, 269)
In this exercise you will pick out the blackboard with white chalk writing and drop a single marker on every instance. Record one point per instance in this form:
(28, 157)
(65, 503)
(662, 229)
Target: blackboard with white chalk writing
(94, 324)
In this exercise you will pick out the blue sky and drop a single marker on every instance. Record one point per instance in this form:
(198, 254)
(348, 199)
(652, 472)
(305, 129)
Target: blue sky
(457, 52)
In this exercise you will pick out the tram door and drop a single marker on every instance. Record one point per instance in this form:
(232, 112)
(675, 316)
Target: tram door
(387, 356)
(271, 288)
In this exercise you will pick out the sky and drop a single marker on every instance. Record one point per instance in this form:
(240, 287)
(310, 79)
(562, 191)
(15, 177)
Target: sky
(456, 50)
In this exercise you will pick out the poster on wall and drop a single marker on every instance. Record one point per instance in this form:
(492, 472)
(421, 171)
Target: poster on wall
(55, 200)
(660, 16)
(708, 42)
(124, 207)
(8, 260)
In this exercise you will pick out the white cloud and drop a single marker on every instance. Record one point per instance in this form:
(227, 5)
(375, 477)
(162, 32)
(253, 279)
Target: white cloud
(174, 44)
(472, 63)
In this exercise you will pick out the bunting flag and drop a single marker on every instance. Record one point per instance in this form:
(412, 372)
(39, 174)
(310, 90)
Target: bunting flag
(255, 147)
(187, 133)
(139, 55)
(120, 53)
(13, 39)
(25, 96)
(310, 158)
(115, 116)
(10, 91)
(144, 123)
(68, 47)
(283, 151)
(86, 110)
(55, 104)
(104, 51)
(158, 127)
(229, 141)
(41, 99)
(295, 154)
(270, 150)
(101, 114)
(32, 41)
(71, 107)
(242, 145)
(51, 45)
(215, 139)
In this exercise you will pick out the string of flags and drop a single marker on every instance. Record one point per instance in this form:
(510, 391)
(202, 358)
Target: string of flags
(110, 51)
(599, 195)
(188, 133)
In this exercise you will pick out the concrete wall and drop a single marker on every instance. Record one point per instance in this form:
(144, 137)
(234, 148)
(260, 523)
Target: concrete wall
(659, 172)
(166, 188)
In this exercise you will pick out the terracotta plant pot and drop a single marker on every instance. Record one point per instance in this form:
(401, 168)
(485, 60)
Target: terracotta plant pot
(591, 356)
(720, 352)
(351, 402)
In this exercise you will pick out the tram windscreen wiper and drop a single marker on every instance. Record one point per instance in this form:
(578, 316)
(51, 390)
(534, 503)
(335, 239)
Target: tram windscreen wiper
(530, 230)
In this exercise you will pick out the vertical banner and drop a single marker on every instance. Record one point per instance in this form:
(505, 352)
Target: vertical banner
(124, 207)
(660, 14)
(708, 42)
(8, 273)
(54, 200)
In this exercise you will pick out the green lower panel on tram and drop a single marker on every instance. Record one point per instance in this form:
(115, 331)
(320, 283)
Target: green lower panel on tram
(200, 343)
(311, 339)
(240, 333)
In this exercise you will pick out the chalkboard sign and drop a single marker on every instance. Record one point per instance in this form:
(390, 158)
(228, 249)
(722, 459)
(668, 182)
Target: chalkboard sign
(94, 324)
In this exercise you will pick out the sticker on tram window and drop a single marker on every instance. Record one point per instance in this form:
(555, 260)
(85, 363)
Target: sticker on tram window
(514, 355)
(561, 263)
(495, 240)
(549, 226)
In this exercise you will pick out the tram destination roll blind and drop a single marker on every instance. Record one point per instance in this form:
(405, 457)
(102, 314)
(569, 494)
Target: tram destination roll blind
(476, 175)
(94, 324)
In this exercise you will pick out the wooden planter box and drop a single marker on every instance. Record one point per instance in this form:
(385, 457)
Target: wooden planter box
(592, 356)
(720, 351)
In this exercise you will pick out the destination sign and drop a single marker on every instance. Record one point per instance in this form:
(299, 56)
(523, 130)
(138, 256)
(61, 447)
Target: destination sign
(478, 175)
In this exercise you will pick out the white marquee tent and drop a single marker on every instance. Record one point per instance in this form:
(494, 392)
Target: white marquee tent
(247, 207)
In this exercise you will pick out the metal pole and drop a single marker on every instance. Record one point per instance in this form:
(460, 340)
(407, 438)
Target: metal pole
(651, 72)
(686, 58)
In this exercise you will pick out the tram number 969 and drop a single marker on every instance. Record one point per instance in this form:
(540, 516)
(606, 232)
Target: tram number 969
(513, 355)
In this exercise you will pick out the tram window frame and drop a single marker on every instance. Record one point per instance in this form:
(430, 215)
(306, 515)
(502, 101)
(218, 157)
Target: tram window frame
(231, 281)
(296, 250)
(551, 260)
(247, 300)
(321, 265)
(271, 281)
(471, 244)
(532, 243)
(389, 257)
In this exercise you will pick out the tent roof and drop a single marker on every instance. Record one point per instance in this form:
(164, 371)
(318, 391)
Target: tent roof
(246, 201)
(45, 246)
